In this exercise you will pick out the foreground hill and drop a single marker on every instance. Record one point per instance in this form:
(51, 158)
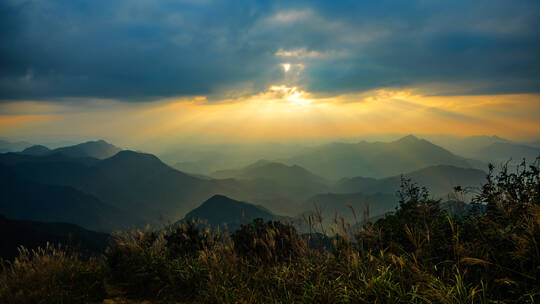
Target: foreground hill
(377, 159)
(33, 234)
(29, 200)
(222, 211)
(96, 149)
(440, 179)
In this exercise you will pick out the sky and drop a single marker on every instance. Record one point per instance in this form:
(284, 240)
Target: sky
(137, 70)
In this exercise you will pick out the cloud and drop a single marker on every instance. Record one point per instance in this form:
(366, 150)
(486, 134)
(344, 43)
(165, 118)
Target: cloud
(145, 50)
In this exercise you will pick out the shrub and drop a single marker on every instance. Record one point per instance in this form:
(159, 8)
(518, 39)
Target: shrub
(137, 262)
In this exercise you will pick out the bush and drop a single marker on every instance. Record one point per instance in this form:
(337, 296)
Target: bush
(188, 238)
(51, 275)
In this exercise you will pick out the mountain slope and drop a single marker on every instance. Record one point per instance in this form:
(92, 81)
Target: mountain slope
(467, 146)
(377, 159)
(22, 199)
(440, 180)
(222, 211)
(292, 180)
(33, 234)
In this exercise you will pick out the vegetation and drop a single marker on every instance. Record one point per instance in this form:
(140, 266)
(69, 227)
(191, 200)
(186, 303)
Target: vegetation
(418, 254)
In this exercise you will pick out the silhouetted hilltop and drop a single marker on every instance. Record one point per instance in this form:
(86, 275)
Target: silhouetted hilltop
(33, 234)
(222, 211)
(36, 150)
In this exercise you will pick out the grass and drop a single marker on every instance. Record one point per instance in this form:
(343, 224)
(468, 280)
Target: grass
(418, 254)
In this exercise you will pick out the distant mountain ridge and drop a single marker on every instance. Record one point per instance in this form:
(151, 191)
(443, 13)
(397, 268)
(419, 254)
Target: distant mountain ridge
(377, 159)
(99, 149)
(502, 152)
(440, 180)
(265, 169)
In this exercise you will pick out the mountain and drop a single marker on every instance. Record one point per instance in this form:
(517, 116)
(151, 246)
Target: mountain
(294, 178)
(276, 171)
(36, 150)
(275, 185)
(502, 152)
(137, 183)
(469, 146)
(97, 149)
(23, 199)
(33, 234)
(222, 211)
(440, 180)
(377, 159)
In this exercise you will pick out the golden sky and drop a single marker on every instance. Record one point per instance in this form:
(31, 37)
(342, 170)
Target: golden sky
(280, 112)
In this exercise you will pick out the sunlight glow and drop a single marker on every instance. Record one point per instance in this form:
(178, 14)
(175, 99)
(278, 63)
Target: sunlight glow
(293, 94)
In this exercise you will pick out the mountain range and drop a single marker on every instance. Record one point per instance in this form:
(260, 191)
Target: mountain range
(440, 180)
(97, 149)
(378, 159)
(79, 184)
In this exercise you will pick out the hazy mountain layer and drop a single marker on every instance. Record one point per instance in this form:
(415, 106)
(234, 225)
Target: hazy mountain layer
(97, 149)
(440, 180)
(377, 159)
(503, 152)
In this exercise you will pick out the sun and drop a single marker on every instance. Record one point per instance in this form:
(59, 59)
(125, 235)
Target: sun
(286, 67)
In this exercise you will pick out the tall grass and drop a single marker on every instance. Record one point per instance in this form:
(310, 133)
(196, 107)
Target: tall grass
(51, 275)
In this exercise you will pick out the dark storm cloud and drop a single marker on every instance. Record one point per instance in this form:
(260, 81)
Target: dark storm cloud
(144, 49)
